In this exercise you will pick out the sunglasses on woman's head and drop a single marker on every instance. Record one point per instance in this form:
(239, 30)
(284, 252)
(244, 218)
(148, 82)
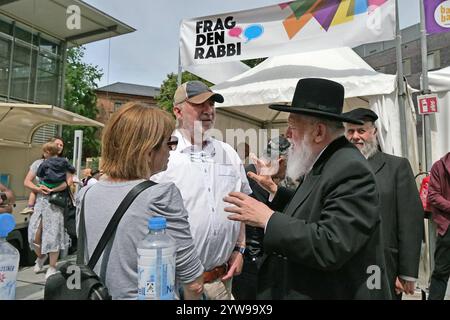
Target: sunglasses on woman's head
(172, 143)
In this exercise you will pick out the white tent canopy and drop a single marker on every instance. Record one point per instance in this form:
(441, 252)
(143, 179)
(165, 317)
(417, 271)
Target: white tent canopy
(274, 81)
(18, 122)
(439, 82)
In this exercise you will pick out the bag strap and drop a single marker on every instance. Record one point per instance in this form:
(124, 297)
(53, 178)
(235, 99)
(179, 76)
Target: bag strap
(112, 225)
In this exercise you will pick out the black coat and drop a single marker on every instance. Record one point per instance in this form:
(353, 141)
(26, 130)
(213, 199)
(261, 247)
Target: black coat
(401, 213)
(328, 238)
(253, 235)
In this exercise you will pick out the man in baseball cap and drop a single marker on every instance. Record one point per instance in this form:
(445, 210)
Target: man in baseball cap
(193, 106)
(195, 92)
(205, 170)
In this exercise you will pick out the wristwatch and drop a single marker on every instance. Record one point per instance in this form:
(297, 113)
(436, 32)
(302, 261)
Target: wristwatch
(241, 250)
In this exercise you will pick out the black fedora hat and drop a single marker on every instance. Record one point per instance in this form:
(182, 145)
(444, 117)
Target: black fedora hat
(320, 98)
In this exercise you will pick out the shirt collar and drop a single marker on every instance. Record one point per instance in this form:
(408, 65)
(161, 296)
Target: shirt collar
(185, 145)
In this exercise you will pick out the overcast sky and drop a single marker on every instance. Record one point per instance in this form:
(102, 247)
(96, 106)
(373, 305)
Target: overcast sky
(147, 55)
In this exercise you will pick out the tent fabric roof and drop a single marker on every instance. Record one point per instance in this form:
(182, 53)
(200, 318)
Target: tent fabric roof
(18, 122)
(50, 17)
(275, 79)
(439, 80)
(130, 88)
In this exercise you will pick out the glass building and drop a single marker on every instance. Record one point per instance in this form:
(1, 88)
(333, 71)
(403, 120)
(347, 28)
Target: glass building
(34, 37)
(30, 65)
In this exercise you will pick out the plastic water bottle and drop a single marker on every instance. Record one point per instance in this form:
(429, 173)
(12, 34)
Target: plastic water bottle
(156, 263)
(9, 259)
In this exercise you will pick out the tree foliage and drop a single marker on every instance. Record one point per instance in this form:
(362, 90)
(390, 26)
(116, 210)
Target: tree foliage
(79, 97)
(168, 87)
(253, 62)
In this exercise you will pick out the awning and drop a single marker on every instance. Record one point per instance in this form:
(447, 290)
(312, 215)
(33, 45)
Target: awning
(18, 122)
(50, 17)
(274, 80)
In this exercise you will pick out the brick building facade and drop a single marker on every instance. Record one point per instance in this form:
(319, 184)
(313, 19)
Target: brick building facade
(110, 98)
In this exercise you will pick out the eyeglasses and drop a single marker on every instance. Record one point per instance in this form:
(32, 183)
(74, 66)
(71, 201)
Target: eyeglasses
(172, 143)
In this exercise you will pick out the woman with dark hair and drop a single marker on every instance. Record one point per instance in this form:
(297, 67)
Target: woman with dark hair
(46, 233)
(32, 197)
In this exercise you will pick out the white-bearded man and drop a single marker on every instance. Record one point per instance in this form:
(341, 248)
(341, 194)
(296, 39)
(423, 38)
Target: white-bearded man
(401, 210)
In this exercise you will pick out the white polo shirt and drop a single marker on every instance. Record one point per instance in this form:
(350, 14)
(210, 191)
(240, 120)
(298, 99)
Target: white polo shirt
(204, 177)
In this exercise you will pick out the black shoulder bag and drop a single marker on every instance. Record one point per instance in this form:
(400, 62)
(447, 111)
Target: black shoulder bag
(63, 285)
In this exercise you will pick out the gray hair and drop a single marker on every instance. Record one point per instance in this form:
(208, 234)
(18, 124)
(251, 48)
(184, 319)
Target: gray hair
(335, 127)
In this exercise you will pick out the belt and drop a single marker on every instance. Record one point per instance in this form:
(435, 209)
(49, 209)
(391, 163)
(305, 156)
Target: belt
(214, 274)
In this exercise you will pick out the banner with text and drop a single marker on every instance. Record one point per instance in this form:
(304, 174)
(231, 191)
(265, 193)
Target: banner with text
(437, 16)
(290, 27)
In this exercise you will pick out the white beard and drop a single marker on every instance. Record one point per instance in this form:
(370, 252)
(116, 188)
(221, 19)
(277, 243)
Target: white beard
(369, 148)
(300, 160)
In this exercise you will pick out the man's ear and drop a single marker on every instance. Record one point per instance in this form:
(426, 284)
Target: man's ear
(177, 110)
(319, 132)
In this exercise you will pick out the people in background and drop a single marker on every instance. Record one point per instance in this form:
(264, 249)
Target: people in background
(46, 231)
(439, 202)
(7, 201)
(400, 207)
(276, 156)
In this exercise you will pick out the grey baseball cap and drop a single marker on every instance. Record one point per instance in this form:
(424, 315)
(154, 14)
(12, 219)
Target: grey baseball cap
(196, 92)
(277, 146)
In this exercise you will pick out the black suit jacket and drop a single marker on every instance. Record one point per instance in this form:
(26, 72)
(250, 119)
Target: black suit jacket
(401, 215)
(327, 242)
(257, 192)
(253, 235)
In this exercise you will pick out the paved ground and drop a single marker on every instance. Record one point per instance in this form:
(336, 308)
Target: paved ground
(30, 286)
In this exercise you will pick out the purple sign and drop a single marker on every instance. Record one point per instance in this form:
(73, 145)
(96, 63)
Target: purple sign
(437, 16)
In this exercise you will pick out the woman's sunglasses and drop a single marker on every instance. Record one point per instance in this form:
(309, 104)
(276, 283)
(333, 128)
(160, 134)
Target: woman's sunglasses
(172, 143)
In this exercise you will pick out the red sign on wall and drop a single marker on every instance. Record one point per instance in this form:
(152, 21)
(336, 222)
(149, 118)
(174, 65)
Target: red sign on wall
(427, 104)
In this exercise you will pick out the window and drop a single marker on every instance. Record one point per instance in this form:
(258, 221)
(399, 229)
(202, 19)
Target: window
(434, 60)
(407, 67)
(5, 47)
(44, 133)
(117, 105)
(21, 86)
(47, 45)
(36, 64)
(47, 78)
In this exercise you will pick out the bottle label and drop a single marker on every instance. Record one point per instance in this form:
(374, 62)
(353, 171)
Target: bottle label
(156, 274)
(8, 276)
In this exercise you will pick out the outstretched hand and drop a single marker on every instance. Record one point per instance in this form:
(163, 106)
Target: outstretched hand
(248, 210)
(264, 173)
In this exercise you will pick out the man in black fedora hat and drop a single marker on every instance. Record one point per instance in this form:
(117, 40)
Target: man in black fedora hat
(323, 240)
(400, 207)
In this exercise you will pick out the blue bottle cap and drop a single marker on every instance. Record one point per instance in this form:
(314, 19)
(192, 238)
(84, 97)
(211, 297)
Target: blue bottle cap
(157, 223)
(7, 224)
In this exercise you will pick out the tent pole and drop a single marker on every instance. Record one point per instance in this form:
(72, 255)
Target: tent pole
(425, 87)
(180, 69)
(426, 129)
(401, 88)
